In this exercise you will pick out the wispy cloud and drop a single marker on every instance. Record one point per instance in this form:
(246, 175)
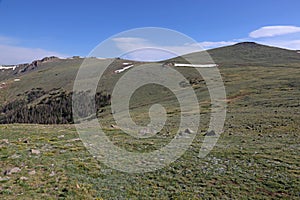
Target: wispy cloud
(143, 49)
(211, 45)
(16, 55)
(12, 52)
(8, 40)
(128, 44)
(287, 37)
(277, 36)
(271, 31)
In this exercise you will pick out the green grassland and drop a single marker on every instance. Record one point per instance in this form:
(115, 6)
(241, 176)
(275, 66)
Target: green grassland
(257, 156)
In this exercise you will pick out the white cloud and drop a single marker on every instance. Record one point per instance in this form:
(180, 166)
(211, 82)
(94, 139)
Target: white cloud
(16, 55)
(271, 31)
(8, 40)
(12, 53)
(127, 44)
(130, 40)
(211, 45)
(149, 54)
(278, 36)
(142, 49)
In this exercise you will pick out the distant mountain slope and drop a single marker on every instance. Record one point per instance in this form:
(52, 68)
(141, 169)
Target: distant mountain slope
(33, 87)
(10, 71)
(254, 54)
(246, 53)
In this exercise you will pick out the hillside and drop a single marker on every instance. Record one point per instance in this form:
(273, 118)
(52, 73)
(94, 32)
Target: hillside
(247, 53)
(250, 53)
(256, 157)
(56, 76)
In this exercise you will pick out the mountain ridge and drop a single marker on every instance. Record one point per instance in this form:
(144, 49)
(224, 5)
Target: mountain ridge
(39, 82)
(253, 53)
(239, 46)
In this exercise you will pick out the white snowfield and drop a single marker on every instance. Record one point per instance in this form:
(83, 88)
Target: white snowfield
(8, 67)
(123, 69)
(194, 65)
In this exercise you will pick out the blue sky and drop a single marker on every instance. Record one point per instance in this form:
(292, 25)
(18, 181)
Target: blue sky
(32, 29)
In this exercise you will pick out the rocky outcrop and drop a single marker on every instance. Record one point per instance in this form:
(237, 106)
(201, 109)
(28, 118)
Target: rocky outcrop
(36, 63)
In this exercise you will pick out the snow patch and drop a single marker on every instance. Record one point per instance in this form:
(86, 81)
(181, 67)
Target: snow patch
(123, 69)
(13, 67)
(195, 65)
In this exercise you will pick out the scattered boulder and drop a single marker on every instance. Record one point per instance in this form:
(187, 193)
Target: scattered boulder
(23, 178)
(4, 141)
(26, 141)
(114, 126)
(35, 152)
(184, 84)
(210, 133)
(33, 172)
(188, 131)
(15, 156)
(52, 174)
(5, 179)
(60, 136)
(74, 140)
(146, 131)
(12, 171)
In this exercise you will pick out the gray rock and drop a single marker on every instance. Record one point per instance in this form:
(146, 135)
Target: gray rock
(34, 151)
(62, 151)
(60, 136)
(12, 171)
(4, 179)
(114, 126)
(23, 178)
(210, 133)
(33, 172)
(74, 140)
(4, 141)
(188, 131)
(15, 156)
(52, 174)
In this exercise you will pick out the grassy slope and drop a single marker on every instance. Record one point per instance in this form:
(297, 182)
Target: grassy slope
(248, 53)
(59, 73)
(257, 156)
